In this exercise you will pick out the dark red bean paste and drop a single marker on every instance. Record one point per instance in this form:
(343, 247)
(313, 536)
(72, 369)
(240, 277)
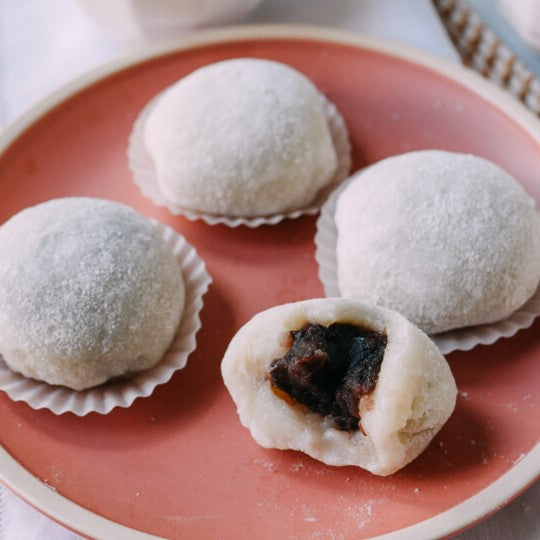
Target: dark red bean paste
(329, 369)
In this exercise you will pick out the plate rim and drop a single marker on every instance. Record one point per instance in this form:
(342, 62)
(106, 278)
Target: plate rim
(73, 516)
(457, 518)
(298, 32)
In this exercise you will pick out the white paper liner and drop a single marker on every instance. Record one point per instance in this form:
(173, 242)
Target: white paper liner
(122, 393)
(462, 339)
(144, 175)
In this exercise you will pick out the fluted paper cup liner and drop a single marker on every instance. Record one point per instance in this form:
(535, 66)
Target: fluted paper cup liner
(122, 393)
(144, 175)
(463, 339)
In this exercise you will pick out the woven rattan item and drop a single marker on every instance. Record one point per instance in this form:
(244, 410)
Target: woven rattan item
(482, 50)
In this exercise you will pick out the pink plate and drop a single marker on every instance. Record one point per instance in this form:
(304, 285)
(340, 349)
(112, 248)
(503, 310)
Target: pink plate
(178, 463)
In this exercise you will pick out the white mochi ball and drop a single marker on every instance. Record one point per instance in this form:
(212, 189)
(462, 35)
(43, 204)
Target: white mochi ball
(89, 291)
(242, 137)
(414, 394)
(447, 239)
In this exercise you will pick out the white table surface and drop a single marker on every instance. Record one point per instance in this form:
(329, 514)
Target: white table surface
(46, 43)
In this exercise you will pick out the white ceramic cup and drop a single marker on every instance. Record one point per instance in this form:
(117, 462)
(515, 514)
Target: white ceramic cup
(524, 16)
(136, 20)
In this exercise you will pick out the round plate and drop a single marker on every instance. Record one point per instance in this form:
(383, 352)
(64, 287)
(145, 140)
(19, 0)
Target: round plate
(178, 463)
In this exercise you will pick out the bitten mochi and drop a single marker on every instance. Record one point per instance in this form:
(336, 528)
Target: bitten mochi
(413, 396)
(89, 291)
(241, 137)
(447, 239)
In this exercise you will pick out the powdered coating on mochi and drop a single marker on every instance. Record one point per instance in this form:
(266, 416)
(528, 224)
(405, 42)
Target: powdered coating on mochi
(449, 240)
(242, 137)
(89, 291)
(414, 395)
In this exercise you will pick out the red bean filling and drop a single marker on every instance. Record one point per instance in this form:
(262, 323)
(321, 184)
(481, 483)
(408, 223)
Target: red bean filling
(329, 368)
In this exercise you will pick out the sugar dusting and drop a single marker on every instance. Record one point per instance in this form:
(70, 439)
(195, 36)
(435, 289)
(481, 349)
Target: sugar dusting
(248, 126)
(343, 514)
(266, 464)
(457, 229)
(190, 520)
(93, 292)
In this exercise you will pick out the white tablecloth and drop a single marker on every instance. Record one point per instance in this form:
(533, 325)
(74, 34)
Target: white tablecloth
(46, 43)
